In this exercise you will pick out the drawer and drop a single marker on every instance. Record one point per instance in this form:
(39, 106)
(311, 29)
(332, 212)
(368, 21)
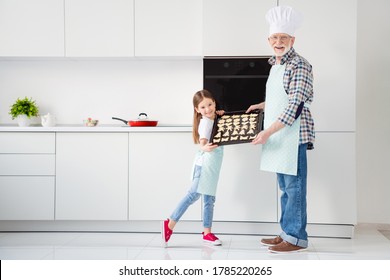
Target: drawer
(27, 164)
(27, 198)
(27, 143)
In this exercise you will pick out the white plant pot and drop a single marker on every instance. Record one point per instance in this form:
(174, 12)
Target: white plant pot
(23, 120)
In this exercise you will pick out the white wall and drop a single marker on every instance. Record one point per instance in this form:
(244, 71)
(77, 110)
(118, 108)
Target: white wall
(373, 100)
(75, 90)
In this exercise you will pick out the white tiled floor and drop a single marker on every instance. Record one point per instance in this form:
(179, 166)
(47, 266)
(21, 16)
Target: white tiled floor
(367, 244)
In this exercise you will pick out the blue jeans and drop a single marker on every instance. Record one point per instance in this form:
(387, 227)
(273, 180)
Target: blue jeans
(191, 197)
(293, 219)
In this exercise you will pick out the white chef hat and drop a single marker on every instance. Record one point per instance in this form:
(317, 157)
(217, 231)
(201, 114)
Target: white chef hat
(283, 19)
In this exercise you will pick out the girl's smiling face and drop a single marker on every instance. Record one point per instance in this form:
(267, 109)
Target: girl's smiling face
(206, 108)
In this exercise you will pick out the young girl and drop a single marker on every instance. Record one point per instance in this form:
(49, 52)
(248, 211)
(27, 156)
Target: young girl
(206, 169)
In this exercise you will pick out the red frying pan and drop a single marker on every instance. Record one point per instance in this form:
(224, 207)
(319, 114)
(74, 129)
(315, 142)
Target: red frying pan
(141, 121)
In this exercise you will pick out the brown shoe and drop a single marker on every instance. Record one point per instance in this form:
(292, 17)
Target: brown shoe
(285, 247)
(271, 241)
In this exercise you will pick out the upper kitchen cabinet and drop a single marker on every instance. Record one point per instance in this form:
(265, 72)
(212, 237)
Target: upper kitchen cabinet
(32, 28)
(168, 28)
(99, 28)
(235, 27)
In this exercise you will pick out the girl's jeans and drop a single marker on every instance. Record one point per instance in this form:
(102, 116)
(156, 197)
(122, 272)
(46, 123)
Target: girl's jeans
(293, 219)
(191, 197)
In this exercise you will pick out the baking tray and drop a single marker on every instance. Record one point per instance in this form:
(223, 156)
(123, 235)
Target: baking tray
(236, 127)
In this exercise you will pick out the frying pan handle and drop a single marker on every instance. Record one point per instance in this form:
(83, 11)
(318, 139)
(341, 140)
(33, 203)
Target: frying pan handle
(126, 122)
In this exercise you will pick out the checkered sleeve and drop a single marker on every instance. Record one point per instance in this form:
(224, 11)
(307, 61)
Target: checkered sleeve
(298, 83)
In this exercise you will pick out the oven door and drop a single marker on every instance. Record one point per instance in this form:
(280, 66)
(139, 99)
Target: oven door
(236, 83)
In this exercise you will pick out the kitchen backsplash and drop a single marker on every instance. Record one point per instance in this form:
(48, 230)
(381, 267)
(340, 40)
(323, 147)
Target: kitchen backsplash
(74, 90)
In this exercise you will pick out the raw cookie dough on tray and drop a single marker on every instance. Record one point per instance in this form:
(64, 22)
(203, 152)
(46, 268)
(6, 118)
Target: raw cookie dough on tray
(236, 127)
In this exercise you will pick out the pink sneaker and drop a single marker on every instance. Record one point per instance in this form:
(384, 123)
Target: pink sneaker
(211, 239)
(166, 232)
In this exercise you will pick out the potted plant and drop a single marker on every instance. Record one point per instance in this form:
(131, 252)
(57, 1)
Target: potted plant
(23, 110)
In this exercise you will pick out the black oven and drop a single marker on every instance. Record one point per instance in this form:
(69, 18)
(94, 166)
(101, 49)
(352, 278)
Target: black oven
(236, 82)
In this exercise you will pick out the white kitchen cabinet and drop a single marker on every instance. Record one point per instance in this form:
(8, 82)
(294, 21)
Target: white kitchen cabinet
(103, 28)
(27, 197)
(27, 176)
(331, 183)
(331, 180)
(32, 28)
(27, 164)
(334, 104)
(27, 143)
(92, 176)
(168, 28)
(244, 192)
(235, 28)
(160, 174)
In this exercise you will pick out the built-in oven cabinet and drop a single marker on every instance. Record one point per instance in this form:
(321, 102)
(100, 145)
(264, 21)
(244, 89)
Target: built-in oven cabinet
(102, 28)
(235, 28)
(168, 28)
(334, 104)
(245, 193)
(32, 28)
(91, 176)
(27, 176)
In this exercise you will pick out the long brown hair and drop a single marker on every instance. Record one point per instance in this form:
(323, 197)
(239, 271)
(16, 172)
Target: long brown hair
(198, 97)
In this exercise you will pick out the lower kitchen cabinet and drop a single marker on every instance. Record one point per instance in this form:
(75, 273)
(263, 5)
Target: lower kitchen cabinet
(91, 176)
(159, 174)
(27, 197)
(27, 176)
(27, 143)
(244, 192)
(331, 182)
(27, 164)
(142, 176)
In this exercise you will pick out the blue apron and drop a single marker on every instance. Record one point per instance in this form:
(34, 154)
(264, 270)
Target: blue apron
(211, 166)
(280, 152)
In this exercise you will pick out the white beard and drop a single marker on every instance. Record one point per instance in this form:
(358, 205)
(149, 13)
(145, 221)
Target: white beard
(286, 49)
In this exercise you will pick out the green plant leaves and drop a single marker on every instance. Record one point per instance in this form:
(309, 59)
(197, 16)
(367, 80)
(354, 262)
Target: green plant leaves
(24, 106)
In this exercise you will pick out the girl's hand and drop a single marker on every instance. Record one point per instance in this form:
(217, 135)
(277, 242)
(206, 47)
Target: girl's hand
(220, 112)
(209, 147)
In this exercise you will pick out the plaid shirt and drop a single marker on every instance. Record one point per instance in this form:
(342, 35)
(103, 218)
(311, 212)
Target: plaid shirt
(298, 83)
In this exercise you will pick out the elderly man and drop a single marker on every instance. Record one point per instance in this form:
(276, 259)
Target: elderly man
(288, 128)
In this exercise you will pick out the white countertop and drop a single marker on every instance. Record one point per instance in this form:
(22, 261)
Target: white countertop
(98, 128)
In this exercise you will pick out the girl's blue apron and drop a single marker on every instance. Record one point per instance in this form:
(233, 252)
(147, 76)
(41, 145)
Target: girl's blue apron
(211, 167)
